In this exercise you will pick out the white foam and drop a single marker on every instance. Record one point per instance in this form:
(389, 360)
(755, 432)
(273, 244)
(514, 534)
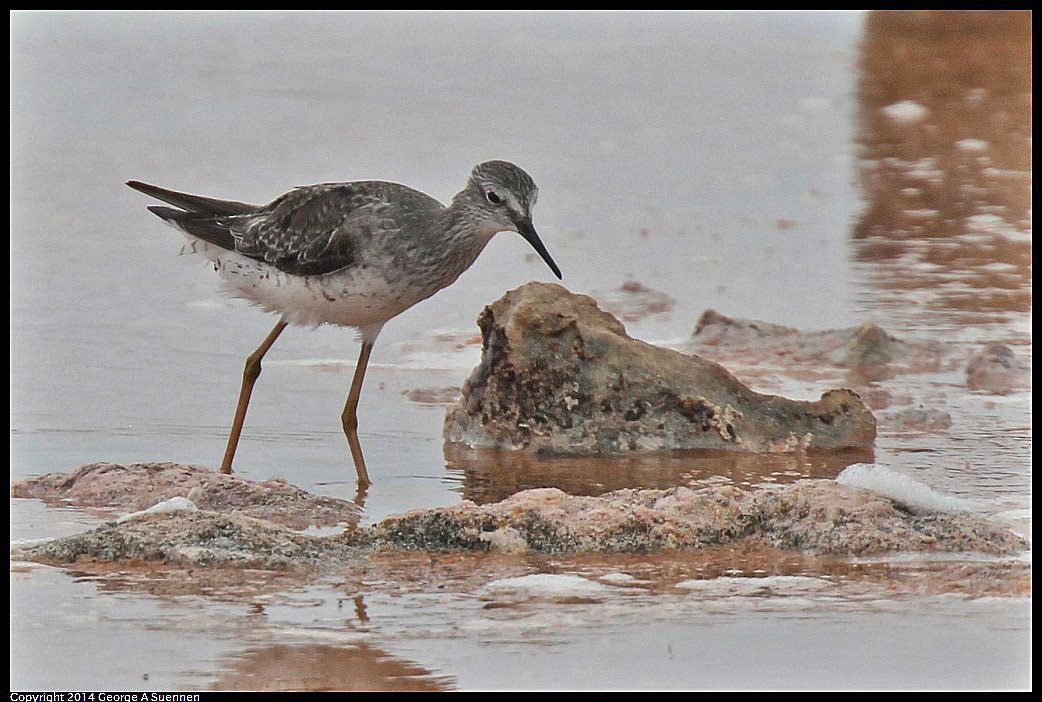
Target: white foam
(905, 112)
(998, 267)
(902, 489)
(729, 586)
(174, 504)
(1017, 236)
(548, 585)
(987, 223)
(1018, 520)
(972, 145)
(617, 578)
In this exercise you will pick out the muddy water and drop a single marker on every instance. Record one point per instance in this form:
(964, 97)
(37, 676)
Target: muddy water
(815, 170)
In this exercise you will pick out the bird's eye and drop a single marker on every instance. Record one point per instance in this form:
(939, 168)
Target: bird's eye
(492, 197)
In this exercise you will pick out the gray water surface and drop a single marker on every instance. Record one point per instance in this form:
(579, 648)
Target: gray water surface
(735, 161)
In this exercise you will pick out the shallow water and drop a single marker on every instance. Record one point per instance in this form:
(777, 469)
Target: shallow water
(751, 163)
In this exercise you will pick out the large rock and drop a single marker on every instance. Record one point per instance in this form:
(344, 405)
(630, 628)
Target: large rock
(558, 374)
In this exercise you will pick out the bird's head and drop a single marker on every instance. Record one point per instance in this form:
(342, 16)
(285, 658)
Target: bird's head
(504, 195)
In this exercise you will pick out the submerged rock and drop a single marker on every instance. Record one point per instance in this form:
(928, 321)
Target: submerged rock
(867, 352)
(916, 419)
(432, 396)
(812, 516)
(193, 538)
(560, 375)
(139, 486)
(998, 371)
(633, 301)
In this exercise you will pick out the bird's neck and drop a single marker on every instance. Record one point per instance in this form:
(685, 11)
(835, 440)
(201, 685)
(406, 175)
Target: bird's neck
(463, 234)
(467, 223)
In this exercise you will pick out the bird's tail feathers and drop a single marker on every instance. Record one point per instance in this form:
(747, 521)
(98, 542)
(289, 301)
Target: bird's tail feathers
(193, 203)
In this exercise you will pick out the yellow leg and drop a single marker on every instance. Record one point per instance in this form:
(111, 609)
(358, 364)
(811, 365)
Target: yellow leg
(249, 376)
(350, 415)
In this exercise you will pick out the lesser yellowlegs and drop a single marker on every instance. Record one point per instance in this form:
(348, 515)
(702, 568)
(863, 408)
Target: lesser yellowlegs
(350, 254)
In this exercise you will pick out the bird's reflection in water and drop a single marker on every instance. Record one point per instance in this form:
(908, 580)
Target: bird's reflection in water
(326, 667)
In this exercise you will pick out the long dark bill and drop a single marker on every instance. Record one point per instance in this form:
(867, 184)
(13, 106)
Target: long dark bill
(525, 229)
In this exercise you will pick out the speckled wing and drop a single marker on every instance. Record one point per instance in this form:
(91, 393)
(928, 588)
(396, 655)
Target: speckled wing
(315, 229)
(311, 230)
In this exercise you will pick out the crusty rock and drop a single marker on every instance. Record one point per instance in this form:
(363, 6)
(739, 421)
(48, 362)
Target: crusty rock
(813, 516)
(138, 486)
(558, 374)
(192, 538)
(818, 516)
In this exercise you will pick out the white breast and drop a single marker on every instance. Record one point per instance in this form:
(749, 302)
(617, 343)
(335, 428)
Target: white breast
(354, 297)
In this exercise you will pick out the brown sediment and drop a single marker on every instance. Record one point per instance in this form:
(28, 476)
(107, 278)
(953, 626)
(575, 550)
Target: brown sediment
(560, 375)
